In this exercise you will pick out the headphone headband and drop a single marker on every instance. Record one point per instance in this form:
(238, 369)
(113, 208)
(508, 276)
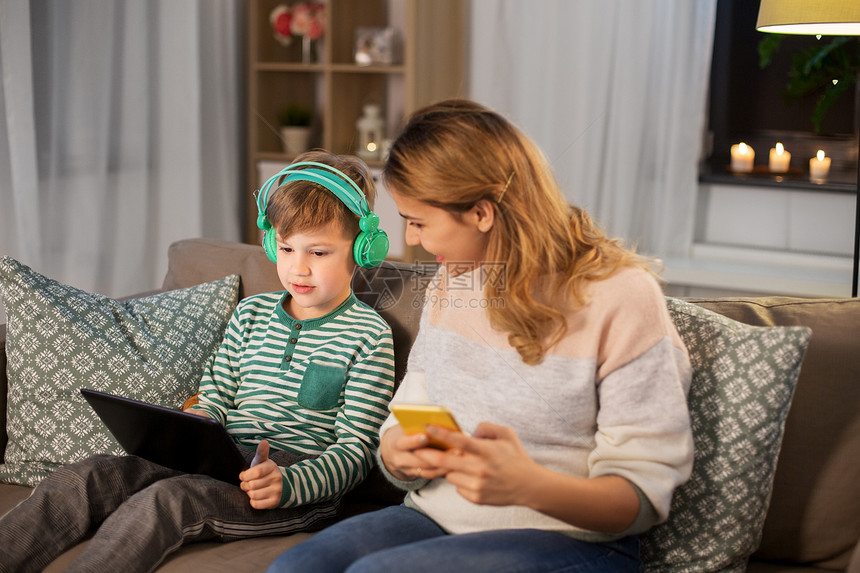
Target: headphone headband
(325, 179)
(358, 205)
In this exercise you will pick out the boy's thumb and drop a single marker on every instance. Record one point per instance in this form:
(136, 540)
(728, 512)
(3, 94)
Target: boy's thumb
(262, 453)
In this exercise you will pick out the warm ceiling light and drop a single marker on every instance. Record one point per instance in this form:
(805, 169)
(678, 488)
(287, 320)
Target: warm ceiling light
(812, 17)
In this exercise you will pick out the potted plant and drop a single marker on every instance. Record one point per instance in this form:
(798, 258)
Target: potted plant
(295, 120)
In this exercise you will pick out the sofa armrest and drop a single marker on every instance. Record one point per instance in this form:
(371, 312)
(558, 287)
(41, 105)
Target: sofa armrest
(854, 564)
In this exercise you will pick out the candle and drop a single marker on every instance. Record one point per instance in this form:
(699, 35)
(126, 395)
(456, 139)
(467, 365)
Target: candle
(819, 166)
(742, 158)
(779, 159)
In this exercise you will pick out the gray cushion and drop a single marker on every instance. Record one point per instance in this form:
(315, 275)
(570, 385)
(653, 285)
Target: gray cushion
(743, 382)
(61, 339)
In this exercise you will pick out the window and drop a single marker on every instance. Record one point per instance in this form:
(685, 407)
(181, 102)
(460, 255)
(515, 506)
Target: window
(747, 104)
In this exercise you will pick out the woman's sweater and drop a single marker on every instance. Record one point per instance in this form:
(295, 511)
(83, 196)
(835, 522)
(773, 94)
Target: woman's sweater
(610, 398)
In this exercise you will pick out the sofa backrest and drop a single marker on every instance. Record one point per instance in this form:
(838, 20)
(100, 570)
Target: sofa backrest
(814, 514)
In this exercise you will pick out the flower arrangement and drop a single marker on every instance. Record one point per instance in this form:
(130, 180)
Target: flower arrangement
(305, 19)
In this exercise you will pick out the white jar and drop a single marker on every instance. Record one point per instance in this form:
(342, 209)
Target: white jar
(371, 132)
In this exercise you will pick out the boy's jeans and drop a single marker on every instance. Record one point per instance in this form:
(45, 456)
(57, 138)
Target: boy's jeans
(143, 512)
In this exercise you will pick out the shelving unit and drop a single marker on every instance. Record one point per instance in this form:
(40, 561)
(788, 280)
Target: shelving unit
(432, 35)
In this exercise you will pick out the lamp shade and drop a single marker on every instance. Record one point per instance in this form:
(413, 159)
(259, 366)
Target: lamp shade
(824, 17)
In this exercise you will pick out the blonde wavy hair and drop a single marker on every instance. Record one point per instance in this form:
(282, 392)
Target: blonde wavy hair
(455, 153)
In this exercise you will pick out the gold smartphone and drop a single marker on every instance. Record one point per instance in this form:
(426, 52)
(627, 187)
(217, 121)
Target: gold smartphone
(416, 417)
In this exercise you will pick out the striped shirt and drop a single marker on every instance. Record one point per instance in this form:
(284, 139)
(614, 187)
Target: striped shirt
(318, 386)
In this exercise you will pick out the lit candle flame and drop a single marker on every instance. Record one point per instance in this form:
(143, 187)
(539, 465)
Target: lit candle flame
(779, 148)
(820, 155)
(742, 148)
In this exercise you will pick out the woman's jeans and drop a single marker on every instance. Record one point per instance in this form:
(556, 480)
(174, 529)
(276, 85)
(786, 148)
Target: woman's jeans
(402, 539)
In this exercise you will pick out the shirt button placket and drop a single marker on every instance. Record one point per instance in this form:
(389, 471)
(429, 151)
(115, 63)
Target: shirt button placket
(294, 338)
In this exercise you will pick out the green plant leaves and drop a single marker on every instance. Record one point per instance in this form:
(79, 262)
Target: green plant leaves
(814, 70)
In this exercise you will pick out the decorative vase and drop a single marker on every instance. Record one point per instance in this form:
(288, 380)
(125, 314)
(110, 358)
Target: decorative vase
(295, 139)
(307, 44)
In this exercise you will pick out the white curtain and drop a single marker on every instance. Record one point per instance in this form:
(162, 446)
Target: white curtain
(119, 134)
(614, 92)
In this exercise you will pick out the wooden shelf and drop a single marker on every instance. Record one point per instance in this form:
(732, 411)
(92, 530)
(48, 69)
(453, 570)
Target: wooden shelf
(287, 67)
(433, 41)
(319, 67)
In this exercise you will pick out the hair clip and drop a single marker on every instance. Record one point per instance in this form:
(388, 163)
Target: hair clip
(502, 194)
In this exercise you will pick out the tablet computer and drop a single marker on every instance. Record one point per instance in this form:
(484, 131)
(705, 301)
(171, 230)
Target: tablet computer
(171, 438)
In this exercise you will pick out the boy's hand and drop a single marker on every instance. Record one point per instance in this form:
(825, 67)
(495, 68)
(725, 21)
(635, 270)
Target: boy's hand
(196, 412)
(262, 481)
(262, 453)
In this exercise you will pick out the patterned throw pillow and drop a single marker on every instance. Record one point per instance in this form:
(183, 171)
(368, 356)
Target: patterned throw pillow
(60, 339)
(743, 382)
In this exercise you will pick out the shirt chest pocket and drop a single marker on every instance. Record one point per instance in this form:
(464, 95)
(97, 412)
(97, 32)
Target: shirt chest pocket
(322, 385)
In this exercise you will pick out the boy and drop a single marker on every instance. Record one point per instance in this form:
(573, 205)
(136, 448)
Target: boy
(308, 371)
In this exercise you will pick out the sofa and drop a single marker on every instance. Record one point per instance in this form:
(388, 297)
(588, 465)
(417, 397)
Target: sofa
(810, 506)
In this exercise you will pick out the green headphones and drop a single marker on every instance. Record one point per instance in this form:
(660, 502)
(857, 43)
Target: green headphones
(371, 243)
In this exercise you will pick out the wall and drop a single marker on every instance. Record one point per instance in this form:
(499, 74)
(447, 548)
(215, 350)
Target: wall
(760, 240)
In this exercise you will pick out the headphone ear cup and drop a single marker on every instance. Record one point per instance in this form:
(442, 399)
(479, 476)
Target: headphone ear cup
(370, 249)
(270, 245)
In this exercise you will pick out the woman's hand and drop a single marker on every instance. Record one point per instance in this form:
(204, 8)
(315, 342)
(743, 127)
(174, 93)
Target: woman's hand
(491, 468)
(398, 451)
